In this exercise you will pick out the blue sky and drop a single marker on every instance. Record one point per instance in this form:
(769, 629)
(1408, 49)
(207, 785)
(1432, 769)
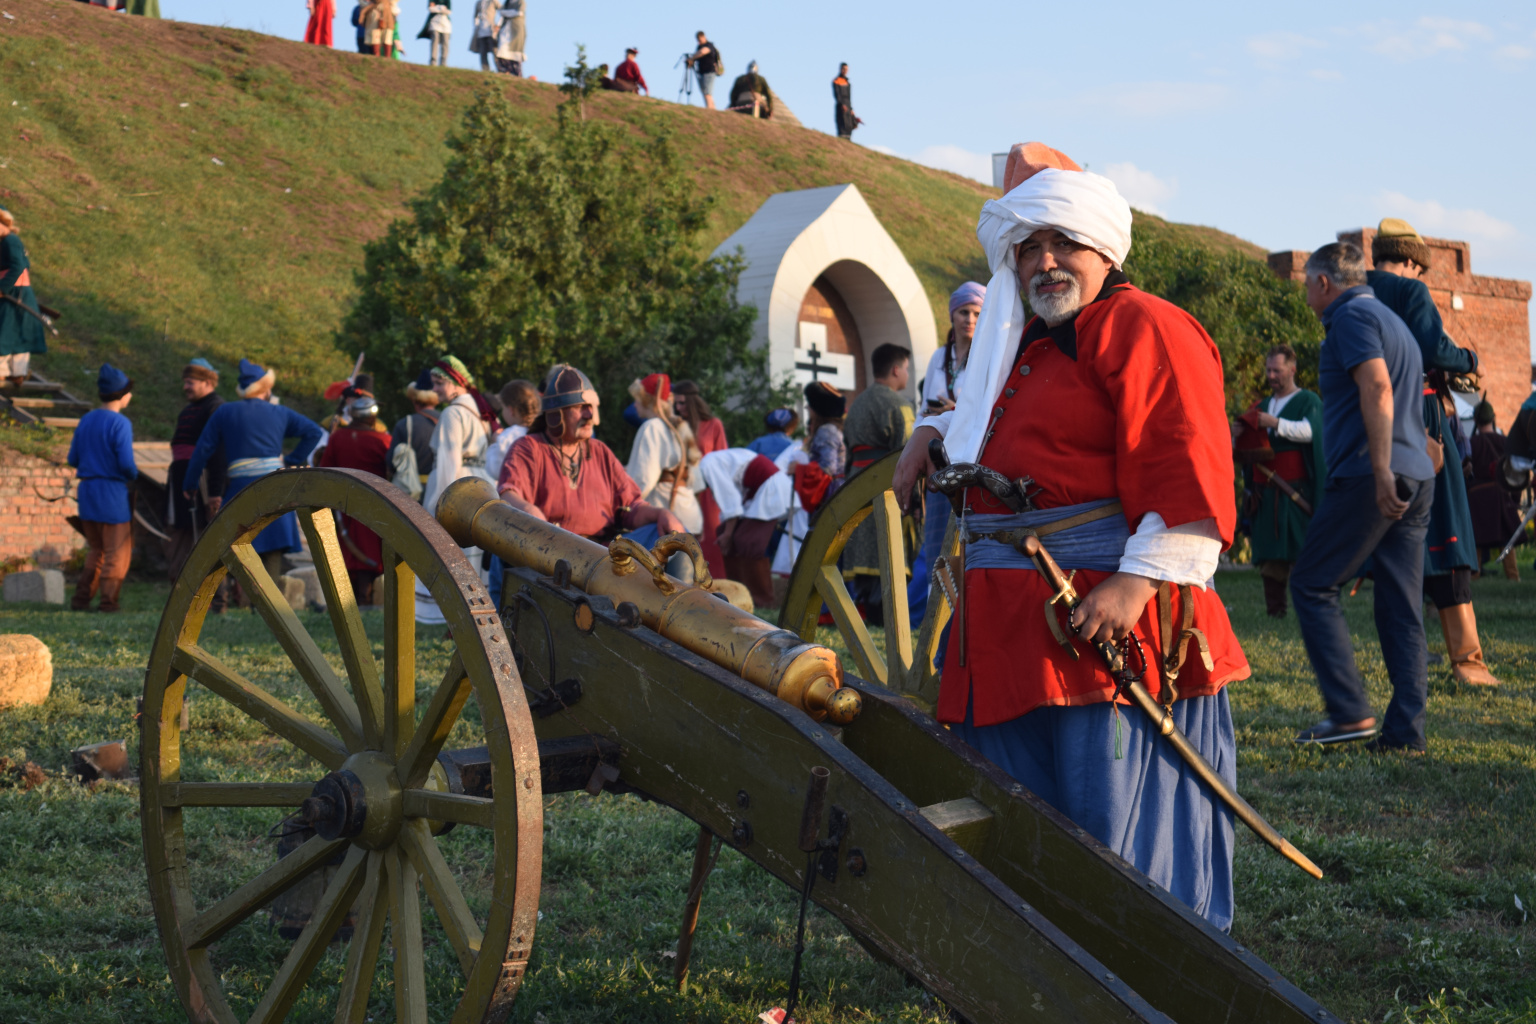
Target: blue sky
(1279, 123)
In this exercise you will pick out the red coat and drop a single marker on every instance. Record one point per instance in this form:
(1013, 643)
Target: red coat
(354, 448)
(1139, 415)
(318, 31)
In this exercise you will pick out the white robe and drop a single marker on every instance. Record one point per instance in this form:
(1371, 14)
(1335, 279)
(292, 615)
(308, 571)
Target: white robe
(458, 451)
(656, 450)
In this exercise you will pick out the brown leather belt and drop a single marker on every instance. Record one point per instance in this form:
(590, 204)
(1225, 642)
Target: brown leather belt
(1013, 538)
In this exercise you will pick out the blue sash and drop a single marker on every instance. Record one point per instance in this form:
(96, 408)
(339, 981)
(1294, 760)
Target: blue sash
(1097, 545)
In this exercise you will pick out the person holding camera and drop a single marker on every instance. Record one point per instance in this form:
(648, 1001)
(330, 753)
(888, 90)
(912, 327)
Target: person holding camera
(705, 62)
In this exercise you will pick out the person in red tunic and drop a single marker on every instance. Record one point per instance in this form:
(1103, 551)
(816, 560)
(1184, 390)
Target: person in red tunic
(709, 432)
(562, 474)
(321, 14)
(1112, 401)
(363, 444)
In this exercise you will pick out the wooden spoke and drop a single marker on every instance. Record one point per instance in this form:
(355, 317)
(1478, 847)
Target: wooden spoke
(235, 794)
(191, 660)
(830, 586)
(405, 933)
(454, 807)
(923, 679)
(367, 938)
(310, 945)
(259, 891)
(399, 652)
(319, 526)
(893, 588)
(452, 910)
(300, 647)
(427, 740)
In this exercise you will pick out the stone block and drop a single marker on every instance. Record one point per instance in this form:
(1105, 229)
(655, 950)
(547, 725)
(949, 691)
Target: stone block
(26, 670)
(314, 596)
(293, 590)
(45, 586)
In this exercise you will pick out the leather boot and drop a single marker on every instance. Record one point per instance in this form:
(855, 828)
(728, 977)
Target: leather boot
(1511, 566)
(1274, 597)
(1459, 624)
(111, 591)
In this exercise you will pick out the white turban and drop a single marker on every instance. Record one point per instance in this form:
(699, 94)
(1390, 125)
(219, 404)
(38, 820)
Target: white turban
(1085, 207)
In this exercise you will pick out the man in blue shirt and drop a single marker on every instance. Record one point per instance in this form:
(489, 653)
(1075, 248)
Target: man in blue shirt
(252, 432)
(781, 424)
(1375, 505)
(102, 454)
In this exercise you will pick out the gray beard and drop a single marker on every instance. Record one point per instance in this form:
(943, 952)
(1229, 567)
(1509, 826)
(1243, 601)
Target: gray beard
(1057, 307)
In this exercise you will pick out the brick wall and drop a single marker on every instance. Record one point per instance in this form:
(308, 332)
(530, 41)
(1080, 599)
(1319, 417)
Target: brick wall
(30, 526)
(1487, 314)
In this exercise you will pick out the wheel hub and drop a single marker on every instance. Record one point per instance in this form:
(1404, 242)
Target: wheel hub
(361, 801)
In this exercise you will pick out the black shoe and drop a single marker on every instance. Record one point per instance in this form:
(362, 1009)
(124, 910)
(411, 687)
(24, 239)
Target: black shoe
(1380, 745)
(1327, 732)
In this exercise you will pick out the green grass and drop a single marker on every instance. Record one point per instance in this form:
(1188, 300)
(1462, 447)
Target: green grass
(1415, 922)
(156, 254)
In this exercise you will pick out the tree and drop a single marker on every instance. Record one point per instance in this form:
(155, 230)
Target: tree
(581, 81)
(579, 246)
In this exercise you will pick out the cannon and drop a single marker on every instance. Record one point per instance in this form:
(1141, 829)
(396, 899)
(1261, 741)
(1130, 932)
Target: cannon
(600, 671)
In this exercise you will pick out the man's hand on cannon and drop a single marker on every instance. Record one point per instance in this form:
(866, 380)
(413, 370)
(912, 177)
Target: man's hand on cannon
(913, 465)
(1113, 607)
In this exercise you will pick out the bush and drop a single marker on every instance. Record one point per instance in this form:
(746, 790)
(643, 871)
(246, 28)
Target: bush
(578, 246)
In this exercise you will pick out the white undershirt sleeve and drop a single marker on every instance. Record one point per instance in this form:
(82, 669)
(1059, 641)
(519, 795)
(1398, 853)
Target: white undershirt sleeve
(1184, 554)
(1299, 431)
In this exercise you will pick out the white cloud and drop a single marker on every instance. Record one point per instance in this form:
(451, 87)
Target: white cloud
(961, 161)
(887, 150)
(1325, 75)
(1142, 189)
(1514, 51)
(1156, 99)
(1274, 47)
(1426, 37)
(1431, 218)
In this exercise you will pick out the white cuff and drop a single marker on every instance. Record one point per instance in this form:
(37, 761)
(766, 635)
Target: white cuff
(938, 421)
(1299, 431)
(1185, 554)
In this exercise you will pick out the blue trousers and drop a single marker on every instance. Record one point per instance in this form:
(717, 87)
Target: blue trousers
(1146, 805)
(1346, 530)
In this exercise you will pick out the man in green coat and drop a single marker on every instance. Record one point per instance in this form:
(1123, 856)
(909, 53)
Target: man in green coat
(879, 422)
(1293, 419)
(21, 330)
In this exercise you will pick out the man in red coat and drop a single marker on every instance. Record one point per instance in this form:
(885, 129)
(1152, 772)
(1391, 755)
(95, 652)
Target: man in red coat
(1112, 401)
(361, 444)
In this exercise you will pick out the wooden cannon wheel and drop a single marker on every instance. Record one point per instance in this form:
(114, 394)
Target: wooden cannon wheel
(906, 662)
(377, 797)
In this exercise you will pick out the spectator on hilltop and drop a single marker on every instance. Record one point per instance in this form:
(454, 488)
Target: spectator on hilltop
(438, 28)
(627, 77)
(842, 98)
(21, 327)
(321, 14)
(185, 517)
(360, 24)
(483, 40)
(1376, 503)
(511, 37)
(102, 454)
(750, 94)
(705, 62)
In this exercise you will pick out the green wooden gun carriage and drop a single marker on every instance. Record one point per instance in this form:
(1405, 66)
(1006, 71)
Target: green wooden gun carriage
(932, 857)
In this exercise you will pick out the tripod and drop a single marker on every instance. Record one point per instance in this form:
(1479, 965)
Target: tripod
(686, 88)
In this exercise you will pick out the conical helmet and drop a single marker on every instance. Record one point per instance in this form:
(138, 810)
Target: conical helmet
(567, 386)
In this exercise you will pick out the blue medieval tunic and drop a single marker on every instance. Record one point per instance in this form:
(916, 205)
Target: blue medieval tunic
(102, 454)
(1450, 542)
(20, 331)
(252, 432)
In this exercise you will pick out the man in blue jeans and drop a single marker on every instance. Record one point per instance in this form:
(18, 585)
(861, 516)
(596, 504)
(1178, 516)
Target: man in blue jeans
(1375, 505)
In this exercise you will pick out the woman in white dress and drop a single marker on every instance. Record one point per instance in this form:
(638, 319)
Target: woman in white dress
(665, 458)
(458, 450)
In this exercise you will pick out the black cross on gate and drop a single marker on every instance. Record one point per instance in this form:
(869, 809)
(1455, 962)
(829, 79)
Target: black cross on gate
(816, 365)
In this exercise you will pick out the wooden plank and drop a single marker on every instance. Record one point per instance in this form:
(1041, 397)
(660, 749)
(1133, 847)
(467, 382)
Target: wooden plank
(452, 909)
(319, 526)
(363, 950)
(455, 807)
(966, 821)
(259, 891)
(441, 714)
(399, 652)
(309, 948)
(893, 589)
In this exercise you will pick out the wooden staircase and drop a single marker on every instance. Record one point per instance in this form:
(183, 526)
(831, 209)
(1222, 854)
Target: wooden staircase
(39, 400)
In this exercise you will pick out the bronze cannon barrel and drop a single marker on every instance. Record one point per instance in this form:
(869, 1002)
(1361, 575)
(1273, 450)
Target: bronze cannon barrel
(809, 676)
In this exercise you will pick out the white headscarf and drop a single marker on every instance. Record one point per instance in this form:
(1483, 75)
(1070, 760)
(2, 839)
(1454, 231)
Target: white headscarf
(1085, 207)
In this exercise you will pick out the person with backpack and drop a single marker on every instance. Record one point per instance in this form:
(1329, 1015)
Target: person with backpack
(706, 63)
(411, 438)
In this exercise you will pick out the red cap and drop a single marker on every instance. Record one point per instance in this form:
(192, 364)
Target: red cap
(658, 384)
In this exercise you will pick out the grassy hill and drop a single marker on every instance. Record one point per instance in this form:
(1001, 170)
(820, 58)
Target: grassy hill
(186, 190)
